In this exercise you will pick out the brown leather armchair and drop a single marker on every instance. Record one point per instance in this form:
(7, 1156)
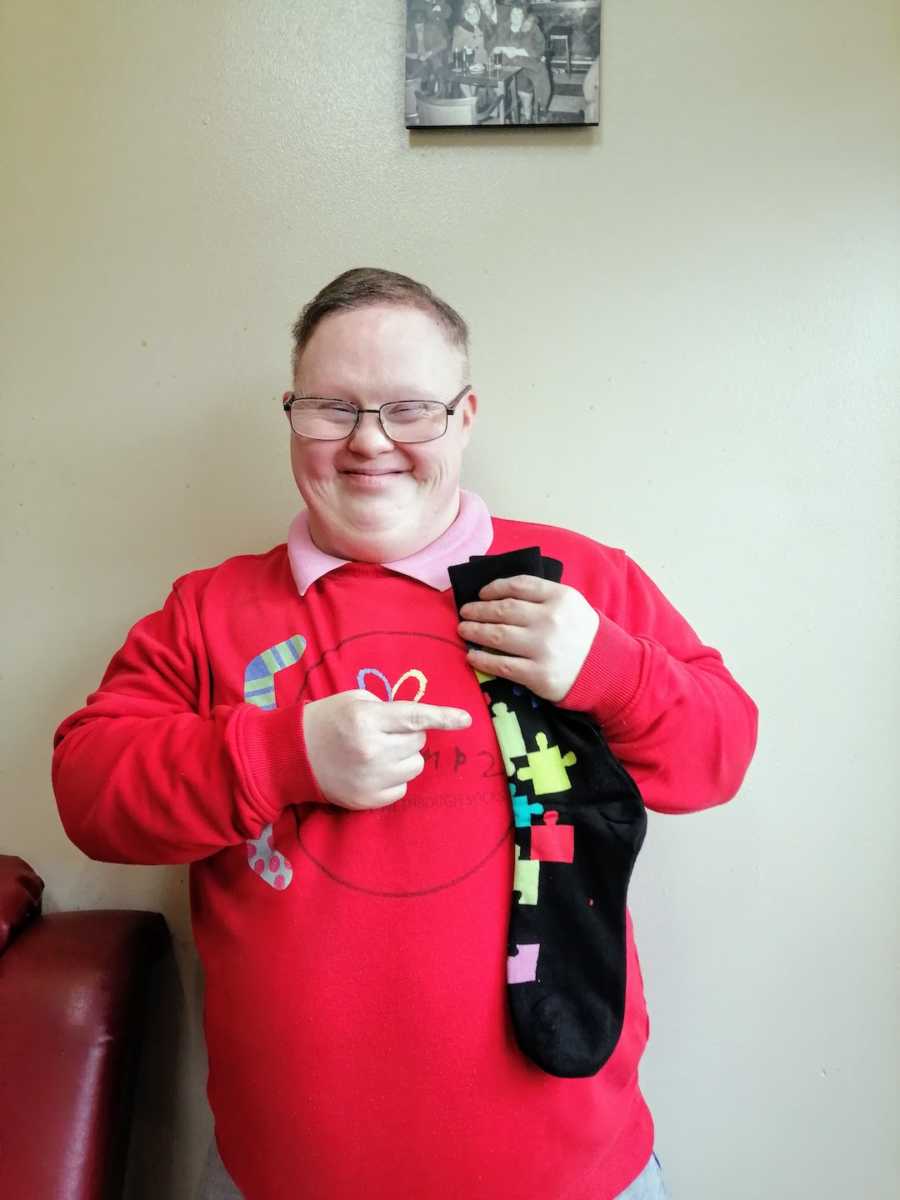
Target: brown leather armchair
(72, 1001)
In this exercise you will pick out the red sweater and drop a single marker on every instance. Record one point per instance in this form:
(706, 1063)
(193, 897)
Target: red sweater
(355, 1009)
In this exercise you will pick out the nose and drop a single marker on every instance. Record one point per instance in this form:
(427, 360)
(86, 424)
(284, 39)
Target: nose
(368, 438)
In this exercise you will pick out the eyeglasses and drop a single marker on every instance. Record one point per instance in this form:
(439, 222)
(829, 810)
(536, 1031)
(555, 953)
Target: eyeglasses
(400, 420)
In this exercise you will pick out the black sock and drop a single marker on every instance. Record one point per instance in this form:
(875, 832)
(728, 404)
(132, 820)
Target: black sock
(579, 822)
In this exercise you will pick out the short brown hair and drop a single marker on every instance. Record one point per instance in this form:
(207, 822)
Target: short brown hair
(364, 286)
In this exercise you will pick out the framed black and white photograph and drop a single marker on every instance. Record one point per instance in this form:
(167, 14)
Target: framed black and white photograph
(487, 63)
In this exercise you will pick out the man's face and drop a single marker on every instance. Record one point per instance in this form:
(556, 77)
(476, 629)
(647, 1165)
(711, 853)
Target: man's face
(473, 16)
(369, 498)
(516, 17)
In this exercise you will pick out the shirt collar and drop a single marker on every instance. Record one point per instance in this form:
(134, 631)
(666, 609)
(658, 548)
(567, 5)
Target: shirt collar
(471, 533)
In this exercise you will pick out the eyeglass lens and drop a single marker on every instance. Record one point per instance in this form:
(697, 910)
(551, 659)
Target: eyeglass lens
(403, 420)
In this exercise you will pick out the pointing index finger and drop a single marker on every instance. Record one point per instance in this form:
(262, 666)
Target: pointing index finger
(408, 716)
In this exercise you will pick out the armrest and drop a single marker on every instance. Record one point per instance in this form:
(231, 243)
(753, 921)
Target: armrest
(72, 987)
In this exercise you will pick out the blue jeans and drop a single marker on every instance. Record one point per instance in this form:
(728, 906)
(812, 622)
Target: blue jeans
(649, 1184)
(217, 1185)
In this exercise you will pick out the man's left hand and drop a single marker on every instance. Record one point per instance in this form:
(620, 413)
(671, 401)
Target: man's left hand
(541, 633)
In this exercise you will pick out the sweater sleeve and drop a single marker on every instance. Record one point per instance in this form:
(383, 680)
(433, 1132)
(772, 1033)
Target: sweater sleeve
(142, 774)
(672, 713)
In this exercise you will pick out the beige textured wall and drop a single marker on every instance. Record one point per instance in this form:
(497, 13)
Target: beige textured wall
(685, 344)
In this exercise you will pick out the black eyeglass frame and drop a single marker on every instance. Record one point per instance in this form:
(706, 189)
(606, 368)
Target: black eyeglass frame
(450, 409)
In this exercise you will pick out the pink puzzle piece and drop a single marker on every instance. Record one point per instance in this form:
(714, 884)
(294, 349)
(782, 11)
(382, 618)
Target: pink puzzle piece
(522, 967)
(551, 842)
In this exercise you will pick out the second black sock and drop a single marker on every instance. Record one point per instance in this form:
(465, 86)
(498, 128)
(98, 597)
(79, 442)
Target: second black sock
(579, 822)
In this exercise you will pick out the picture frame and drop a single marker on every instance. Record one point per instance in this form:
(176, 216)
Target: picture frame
(492, 64)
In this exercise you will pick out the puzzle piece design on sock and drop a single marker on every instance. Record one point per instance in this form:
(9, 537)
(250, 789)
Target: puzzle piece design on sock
(259, 676)
(259, 688)
(527, 877)
(267, 862)
(509, 735)
(522, 966)
(551, 842)
(523, 808)
(547, 768)
(391, 690)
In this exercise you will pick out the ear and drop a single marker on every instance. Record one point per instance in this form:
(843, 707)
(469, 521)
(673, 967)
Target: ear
(467, 410)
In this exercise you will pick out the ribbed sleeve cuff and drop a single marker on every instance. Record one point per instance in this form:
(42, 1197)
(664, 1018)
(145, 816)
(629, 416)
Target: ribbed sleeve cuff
(276, 766)
(610, 676)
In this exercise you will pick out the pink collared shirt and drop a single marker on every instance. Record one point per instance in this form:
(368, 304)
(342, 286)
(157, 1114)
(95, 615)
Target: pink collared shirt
(471, 533)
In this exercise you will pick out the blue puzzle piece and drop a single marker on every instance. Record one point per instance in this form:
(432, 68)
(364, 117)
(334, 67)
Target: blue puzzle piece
(523, 809)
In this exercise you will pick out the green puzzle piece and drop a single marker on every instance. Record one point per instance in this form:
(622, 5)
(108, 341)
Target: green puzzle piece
(509, 735)
(525, 881)
(547, 768)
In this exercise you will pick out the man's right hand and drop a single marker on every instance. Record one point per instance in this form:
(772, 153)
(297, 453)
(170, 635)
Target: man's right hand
(363, 751)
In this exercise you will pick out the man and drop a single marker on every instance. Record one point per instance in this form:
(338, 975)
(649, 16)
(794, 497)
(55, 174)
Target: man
(427, 42)
(521, 42)
(305, 728)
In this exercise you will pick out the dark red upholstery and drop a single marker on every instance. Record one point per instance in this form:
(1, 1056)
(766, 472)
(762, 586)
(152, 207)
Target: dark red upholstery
(72, 987)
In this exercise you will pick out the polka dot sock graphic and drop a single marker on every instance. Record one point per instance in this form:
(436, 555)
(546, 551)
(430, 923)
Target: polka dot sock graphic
(579, 822)
(267, 862)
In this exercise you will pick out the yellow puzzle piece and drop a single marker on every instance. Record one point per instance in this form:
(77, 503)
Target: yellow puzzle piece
(547, 768)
